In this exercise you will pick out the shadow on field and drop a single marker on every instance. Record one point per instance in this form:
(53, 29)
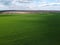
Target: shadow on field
(54, 29)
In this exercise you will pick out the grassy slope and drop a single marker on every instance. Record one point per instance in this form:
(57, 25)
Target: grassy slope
(30, 29)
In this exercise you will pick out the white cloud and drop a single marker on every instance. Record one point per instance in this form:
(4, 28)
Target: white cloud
(29, 4)
(49, 6)
(3, 7)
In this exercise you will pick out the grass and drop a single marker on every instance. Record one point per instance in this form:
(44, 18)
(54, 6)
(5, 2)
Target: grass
(54, 29)
(30, 29)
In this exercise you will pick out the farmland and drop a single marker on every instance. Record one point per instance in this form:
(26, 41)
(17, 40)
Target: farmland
(30, 29)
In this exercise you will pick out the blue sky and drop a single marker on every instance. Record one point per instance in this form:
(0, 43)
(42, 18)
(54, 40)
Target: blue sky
(29, 4)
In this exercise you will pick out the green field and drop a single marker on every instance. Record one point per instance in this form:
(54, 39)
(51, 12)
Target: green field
(30, 29)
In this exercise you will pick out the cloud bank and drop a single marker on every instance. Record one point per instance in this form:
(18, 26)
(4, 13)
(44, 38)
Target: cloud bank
(29, 5)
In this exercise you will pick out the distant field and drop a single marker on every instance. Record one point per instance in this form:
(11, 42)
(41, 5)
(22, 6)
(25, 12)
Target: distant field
(30, 29)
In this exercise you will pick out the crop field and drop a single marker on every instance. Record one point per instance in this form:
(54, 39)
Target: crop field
(30, 29)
